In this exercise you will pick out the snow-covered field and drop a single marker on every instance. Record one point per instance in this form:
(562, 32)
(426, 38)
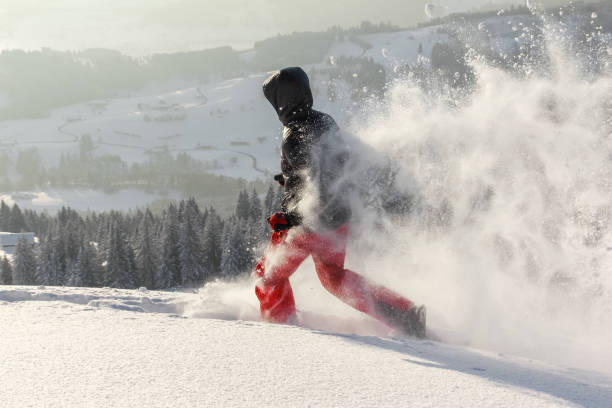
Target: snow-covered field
(84, 199)
(76, 347)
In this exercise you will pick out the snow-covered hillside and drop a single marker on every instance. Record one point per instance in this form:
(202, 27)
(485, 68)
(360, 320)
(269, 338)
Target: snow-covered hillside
(227, 124)
(73, 347)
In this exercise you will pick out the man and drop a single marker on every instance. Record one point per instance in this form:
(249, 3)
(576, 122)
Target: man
(313, 156)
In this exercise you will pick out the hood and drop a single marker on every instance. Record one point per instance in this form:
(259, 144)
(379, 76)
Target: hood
(288, 90)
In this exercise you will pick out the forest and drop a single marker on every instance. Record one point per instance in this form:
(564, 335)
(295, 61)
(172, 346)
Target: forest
(182, 246)
(162, 172)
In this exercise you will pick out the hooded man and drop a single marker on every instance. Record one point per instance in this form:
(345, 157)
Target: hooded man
(315, 214)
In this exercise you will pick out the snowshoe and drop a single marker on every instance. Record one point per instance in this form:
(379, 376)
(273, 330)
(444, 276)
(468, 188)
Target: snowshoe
(410, 322)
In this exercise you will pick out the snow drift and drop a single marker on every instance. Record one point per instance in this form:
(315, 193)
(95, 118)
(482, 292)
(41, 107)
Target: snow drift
(75, 347)
(508, 240)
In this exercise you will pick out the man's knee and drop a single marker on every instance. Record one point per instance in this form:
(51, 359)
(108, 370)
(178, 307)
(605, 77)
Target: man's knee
(331, 277)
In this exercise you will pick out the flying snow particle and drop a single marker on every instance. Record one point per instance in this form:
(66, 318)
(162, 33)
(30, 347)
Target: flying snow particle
(430, 10)
(385, 53)
(534, 5)
(332, 60)
(482, 26)
(594, 15)
(433, 10)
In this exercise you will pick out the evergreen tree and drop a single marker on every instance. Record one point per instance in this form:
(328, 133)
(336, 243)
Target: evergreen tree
(269, 202)
(83, 272)
(102, 239)
(131, 272)
(229, 263)
(74, 275)
(255, 210)
(59, 256)
(6, 272)
(270, 207)
(180, 211)
(146, 252)
(169, 272)
(242, 206)
(163, 276)
(213, 235)
(203, 220)
(88, 265)
(192, 269)
(46, 270)
(16, 221)
(25, 263)
(70, 233)
(256, 227)
(120, 270)
(235, 255)
(5, 217)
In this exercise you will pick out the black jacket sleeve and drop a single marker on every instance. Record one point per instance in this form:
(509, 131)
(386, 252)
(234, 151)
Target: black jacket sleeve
(314, 150)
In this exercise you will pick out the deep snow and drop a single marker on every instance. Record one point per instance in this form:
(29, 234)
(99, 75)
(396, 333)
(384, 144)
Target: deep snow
(76, 347)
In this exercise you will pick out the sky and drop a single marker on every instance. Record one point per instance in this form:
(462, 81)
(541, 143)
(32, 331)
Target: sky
(143, 27)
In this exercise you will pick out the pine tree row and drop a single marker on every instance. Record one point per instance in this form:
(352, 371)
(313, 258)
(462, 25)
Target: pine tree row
(182, 246)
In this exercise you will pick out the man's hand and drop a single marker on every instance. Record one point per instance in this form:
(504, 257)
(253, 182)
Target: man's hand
(278, 221)
(280, 179)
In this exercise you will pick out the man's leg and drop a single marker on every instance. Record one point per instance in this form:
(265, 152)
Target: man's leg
(353, 289)
(284, 255)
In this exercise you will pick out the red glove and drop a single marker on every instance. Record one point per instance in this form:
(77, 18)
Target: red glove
(279, 222)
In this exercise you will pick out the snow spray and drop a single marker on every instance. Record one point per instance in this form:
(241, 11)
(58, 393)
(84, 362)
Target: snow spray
(509, 237)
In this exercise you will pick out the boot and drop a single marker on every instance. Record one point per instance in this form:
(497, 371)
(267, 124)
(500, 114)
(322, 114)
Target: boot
(410, 322)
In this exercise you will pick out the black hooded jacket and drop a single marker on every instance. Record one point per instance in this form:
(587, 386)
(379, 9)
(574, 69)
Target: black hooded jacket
(312, 150)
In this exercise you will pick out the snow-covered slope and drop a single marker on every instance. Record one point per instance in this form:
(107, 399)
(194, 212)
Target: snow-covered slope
(73, 347)
(227, 123)
(217, 121)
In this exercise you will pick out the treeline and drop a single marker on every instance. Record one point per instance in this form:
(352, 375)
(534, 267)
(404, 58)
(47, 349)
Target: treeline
(163, 171)
(302, 48)
(182, 246)
(37, 81)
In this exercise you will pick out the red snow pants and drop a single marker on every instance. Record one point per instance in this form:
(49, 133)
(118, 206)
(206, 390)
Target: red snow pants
(288, 249)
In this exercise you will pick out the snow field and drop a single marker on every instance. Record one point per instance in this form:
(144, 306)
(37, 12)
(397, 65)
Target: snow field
(57, 350)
